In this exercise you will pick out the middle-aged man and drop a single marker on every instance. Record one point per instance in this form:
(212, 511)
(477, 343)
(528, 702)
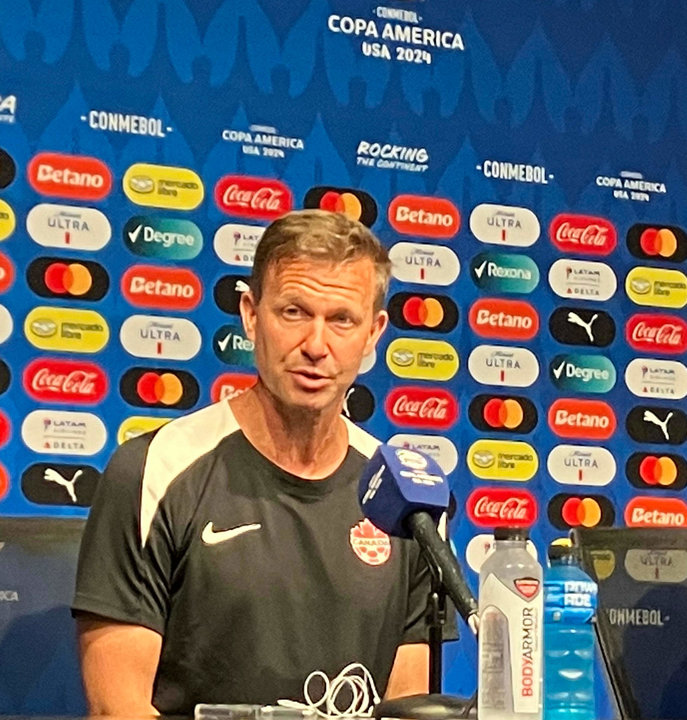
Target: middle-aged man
(225, 556)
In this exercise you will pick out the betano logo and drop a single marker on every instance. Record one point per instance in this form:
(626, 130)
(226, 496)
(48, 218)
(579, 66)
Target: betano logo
(355, 204)
(657, 333)
(502, 460)
(649, 377)
(504, 319)
(505, 273)
(583, 234)
(53, 278)
(657, 287)
(68, 330)
(655, 242)
(412, 311)
(163, 186)
(138, 425)
(253, 197)
(423, 216)
(230, 385)
(503, 365)
(583, 280)
(503, 413)
(422, 359)
(152, 387)
(583, 373)
(504, 225)
(660, 472)
(424, 264)
(68, 227)
(168, 338)
(581, 465)
(7, 220)
(656, 512)
(582, 419)
(77, 177)
(163, 238)
(150, 286)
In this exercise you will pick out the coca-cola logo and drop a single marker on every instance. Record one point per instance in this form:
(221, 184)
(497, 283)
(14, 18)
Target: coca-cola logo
(65, 381)
(583, 234)
(657, 333)
(491, 507)
(422, 407)
(253, 197)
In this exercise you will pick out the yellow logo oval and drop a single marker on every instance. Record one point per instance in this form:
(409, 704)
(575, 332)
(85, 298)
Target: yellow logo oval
(422, 359)
(502, 460)
(7, 220)
(66, 329)
(163, 186)
(137, 425)
(657, 287)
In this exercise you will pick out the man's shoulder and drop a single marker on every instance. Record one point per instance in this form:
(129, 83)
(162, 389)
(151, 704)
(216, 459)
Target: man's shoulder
(360, 439)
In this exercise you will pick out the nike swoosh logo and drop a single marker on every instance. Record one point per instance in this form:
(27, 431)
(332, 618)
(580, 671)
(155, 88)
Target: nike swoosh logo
(557, 371)
(224, 342)
(133, 234)
(480, 269)
(211, 536)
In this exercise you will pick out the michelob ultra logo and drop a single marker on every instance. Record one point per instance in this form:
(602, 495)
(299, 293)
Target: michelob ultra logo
(71, 176)
(658, 425)
(502, 460)
(503, 413)
(7, 220)
(68, 227)
(69, 330)
(656, 565)
(424, 264)
(657, 471)
(355, 204)
(163, 186)
(648, 377)
(151, 286)
(504, 319)
(656, 512)
(657, 333)
(504, 225)
(60, 432)
(235, 244)
(424, 216)
(498, 272)
(163, 238)
(503, 365)
(436, 446)
(583, 373)
(170, 338)
(581, 465)
(582, 280)
(664, 243)
(583, 234)
(657, 287)
(583, 419)
(422, 359)
(138, 425)
(53, 278)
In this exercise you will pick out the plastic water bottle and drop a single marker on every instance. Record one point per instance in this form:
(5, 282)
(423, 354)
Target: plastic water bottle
(569, 606)
(510, 634)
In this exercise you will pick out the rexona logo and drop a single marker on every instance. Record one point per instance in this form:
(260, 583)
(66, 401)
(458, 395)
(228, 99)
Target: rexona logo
(583, 234)
(503, 365)
(355, 204)
(163, 186)
(583, 419)
(230, 385)
(169, 338)
(422, 407)
(7, 220)
(424, 264)
(498, 272)
(138, 425)
(582, 279)
(657, 425)
(68, 227)
(657, 333)
(60, 432)
(235, 244)
(647, 377)
(657, 287)
(569, 511)
(504, 319)
(436, 446)
(6, 273)
(60, 484)
(583, 373)
(163, 238)
(68, 330)
(227, 292)
(156, 388)
(581, 465)
(424, 216)
(659, 472)
(665, 243)
(656, 512)
(579, 326)
(253, 197)
(54, 380)
(161, 288)
(493, 507)
(413, 311)
(52, 277)
(504, 225)
(502, 460)
(503, 413)
(422, 359)
(77, 177)
(231, 346)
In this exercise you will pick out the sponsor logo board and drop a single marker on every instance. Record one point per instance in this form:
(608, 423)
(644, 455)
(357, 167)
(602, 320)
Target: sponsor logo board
(656, 512)
(501, 272)
(423, 216)
(581, 465)
(583, 234)
(227, 292)
(665, 471)
(231, 346)
(68, 227)
(652, 378)
(502, 460)
(503, 413)
(657, 333)
(503, 365)
(76, 177)
(494, 507)
(580, 326)
(235, 244)
(159, 388)
(582, 280)
(422, 407)
(582, 419)
(163, 186)
(60, 484)
(424, 264)
(657, 425)
(138, 425)
(656, 565)
(504, 225)
(413, 311)
(568, 511)
(162, 238)
(657, 287)
(253, 197)
(168, 338)
(355, 204)
(161, 288)
(422, 359)
(61, 432)
(54, 380)
(583, 373)
(66, 329)
(52, 277)
(504, 319)
(661, 243)
(230, 385)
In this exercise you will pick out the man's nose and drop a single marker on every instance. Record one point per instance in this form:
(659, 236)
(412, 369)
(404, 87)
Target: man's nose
(314, 345)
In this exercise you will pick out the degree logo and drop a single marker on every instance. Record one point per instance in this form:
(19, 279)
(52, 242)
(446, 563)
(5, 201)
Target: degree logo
(232, 347)
(68, 227)
(422, 359)
(163, 238)
(583, 234)
(163, 186)
(583, 373)
(161, 288)
(6, 273)
(583, 280)
(581, 465)
(138, 425)
(55, 278)
(659, 472)
(230, 385)
(424, 264)
(504, 319)
(579, 326)
(504, 225)
(168, 338)
(569, 511)
(76, 177)
(657, 425)
(503, 365)
(355, 204)
(7, 220)
(656, 512)
(412, 311)
(655, 242)
(657, 287)
(422, 407)
(657, 333)
(583, 419)
(235, 244)
(156, 388)
(60, 484)
(502, 460)
(55, 380)
(494, 507)
(60, 432)
(648, 377)
(358, 403)
(436, 446)
(503, 413)
(253, 197)
(68, 330)
(498, 272)
(424, 216)
(227, 292)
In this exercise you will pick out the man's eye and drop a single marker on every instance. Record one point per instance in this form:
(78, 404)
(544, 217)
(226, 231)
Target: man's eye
(292, 311)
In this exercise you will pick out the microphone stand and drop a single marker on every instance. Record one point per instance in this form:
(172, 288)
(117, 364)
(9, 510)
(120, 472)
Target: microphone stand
(436, 618)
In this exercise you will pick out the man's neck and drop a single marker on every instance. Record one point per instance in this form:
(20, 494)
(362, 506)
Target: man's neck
(309, 445)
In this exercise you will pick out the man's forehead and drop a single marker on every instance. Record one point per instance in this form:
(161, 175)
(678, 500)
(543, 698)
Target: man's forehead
(317, 266)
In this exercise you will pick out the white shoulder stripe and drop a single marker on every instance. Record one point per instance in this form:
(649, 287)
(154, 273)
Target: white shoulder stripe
(177, 445)
(360, 440)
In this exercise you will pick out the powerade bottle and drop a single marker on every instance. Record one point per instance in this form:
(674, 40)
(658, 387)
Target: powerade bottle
(510, 631)
(570, 597)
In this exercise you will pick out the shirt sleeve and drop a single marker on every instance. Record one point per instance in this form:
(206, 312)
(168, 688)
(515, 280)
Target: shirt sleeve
(117, 578)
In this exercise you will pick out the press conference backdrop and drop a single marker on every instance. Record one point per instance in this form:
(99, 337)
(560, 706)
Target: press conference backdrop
(523, 162)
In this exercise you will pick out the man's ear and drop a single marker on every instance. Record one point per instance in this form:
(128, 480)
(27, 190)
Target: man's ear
(247, 308)
(378, 327)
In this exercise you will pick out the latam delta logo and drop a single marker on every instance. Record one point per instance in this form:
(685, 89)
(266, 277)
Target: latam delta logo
(491, 507)
(504, 319)
(422, 216)
(656, 512)
(253, 197)
(657, 333)
(422, 407)
(583, 234)
(583, 280)
(582, 419)
(78, 177)
(65, 381)
(369, 543)
(355, 204)
(58, 432)
(650, 377)
(161, 288)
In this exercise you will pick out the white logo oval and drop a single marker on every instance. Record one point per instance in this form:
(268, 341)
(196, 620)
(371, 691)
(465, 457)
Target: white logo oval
(648, 377)
(437, 447)
(150, 336)
(503, 365)
(581, 465)
(6, 324)
(582, 280)
(504, 225)
(68, 227)
(368, 362)
(235, 244)
(482, 545)
(424, 264)
(58, 432)
(656, 565)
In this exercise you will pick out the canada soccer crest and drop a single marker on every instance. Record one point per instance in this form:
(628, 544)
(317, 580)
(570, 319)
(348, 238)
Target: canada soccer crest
(369, 543)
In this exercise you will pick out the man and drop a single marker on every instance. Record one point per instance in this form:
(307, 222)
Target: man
(224, 558)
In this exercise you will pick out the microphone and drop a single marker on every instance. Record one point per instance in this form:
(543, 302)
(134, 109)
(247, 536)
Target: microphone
(404, 493)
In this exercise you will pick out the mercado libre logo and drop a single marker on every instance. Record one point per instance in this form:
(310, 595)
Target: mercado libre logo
(52, 277)
(163, 186)
(355, 204)
(661, 243)
(253, 197)
(68, 330)
(423, 216)
(157, 388)
(422, 359)
(502, 460)
(162, 238)
(70, 176)
(414, 311)
(657, 287)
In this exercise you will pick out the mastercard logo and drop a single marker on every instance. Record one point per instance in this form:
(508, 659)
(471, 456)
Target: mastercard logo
(503, 413)
(6, 273)
(414, 311)
(658, 472)
(152, 387)
(355, 204)
(570, 511)
(656, 242)
(656, 512)
(55, 278)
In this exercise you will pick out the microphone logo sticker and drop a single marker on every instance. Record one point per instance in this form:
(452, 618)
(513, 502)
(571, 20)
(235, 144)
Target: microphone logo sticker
(369, 543)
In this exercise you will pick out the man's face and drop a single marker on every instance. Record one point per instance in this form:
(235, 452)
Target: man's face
(311, 328)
